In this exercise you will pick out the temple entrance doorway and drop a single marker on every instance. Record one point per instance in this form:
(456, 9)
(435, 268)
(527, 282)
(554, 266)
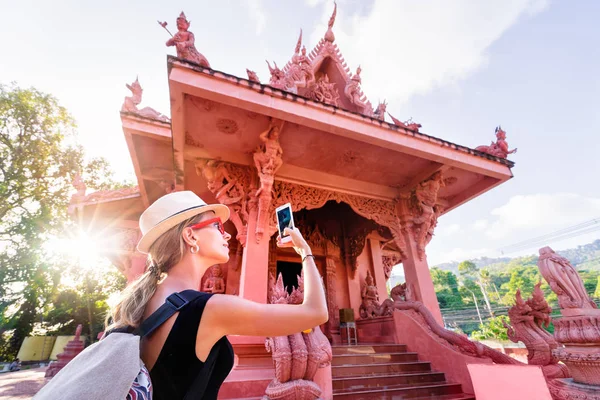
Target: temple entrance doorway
(290, 272)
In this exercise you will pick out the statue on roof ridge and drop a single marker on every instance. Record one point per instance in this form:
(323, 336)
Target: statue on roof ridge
(184, 42)
(301, 70)
(379, 112)
(280, 80)
(409, 124)
(130, 104)
(498, 148)
(354, 93)
(252, 76)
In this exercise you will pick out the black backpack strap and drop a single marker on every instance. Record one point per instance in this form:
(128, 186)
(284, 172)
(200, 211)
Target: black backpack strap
(196, 391)
(173, 304)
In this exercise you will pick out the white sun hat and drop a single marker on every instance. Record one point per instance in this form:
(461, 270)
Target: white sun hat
(170, 210)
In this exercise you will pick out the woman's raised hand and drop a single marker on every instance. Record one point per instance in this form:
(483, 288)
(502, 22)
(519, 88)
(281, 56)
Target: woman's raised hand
(297, 242)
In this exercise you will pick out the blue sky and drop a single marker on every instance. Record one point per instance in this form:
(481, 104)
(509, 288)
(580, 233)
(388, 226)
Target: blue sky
(458, 67)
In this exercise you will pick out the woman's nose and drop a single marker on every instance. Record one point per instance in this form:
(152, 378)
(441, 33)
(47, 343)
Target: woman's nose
(227, 236)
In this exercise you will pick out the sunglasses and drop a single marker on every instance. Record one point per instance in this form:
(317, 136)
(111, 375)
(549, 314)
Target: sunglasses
(203, 224)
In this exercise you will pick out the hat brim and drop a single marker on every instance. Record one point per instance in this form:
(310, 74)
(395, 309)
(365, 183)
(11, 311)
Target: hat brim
(150, 237)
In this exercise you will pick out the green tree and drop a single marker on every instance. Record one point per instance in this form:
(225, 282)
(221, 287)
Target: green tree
(36, 169)
(445, 284)
(597, 292)
(521, 277)
(493, 328)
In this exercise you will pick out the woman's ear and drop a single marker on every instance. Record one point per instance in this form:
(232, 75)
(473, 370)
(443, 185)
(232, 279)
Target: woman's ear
(188, 236)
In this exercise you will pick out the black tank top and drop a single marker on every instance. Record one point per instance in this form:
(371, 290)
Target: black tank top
(177, 365)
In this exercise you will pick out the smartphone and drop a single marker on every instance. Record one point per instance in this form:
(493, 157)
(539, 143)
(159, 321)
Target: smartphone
(285, 219)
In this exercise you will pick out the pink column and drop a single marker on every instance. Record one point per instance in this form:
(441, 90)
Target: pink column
(378, 274)
(417, 275)
(255, 264)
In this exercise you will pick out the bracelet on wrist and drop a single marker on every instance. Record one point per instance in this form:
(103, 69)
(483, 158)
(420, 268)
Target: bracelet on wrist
(306, 256)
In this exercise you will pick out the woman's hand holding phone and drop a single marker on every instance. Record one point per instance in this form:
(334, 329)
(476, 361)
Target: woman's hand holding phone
(297, 242)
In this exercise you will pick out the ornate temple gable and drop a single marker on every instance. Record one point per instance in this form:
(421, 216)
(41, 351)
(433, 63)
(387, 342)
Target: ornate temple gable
(323, 75)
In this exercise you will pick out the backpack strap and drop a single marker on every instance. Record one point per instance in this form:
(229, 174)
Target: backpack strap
(173, 304)
(196, 391)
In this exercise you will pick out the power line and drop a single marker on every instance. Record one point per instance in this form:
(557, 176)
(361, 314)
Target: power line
(561, 234)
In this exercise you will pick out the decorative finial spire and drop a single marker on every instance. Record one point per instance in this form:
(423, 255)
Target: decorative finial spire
(299, 44)
(329, 36)
(332, 18)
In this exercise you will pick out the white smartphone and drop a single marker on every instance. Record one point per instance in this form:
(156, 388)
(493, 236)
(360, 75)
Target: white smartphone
(285, 219)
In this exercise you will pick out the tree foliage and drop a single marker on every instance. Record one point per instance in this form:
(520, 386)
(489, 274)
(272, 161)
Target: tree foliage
(493, 328)
(37, 164)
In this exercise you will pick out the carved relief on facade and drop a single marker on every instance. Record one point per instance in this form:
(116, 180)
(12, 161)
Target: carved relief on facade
(130, 104)
(370, 306)
(421, 211)
(227, 126)
(305, 197)
(215, 283)
(231, 184)
(267, 160)
(324, 91)
(296, 357)
(389, 259)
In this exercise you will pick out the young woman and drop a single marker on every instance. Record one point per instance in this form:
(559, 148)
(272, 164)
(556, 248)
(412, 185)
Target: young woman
(183, 237)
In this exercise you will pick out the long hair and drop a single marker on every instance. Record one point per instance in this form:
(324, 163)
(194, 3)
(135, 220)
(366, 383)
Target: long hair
(165, 252)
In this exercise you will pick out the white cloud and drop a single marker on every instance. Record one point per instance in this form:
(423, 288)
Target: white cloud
(258, 14)
(480, 225)
(409, 47)
(314, 3)
(541, 214)
(456, 254)
(447, 230)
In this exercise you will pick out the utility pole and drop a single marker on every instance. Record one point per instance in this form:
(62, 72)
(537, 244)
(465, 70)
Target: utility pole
(485, 296)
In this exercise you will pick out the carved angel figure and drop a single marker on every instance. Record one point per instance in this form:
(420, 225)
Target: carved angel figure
(215, 283)
(370, 306)
(184, 42)
(267, 158)
(425, 210)
(353, 92)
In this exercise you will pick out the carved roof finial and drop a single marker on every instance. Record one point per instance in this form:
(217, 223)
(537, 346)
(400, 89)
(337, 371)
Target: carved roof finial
(329, 36)
(332, 18)
(299, 44)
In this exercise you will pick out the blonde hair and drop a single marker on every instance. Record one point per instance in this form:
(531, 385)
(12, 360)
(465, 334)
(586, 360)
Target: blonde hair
(164, 253)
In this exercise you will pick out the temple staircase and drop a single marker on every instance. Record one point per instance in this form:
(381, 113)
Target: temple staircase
(387, 371)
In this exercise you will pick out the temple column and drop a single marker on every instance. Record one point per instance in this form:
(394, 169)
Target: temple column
(255, 263)
(418, 212)
(332, 307)
(418, 278)
(378, 272)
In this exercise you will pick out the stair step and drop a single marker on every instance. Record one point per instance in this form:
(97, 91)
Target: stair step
(368, 349)
(372, 382)
(377, 358)
(440, 391)
(339, 371)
